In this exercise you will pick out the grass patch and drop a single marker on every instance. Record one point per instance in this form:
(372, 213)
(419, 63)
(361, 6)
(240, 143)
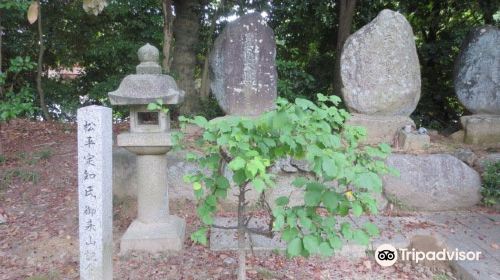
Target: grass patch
(7, 177)
(32, 159)
(440, 276)
(49, 276)
(43, 154)
(491, 184)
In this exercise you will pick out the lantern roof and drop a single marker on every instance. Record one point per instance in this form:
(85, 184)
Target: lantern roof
(149, 84)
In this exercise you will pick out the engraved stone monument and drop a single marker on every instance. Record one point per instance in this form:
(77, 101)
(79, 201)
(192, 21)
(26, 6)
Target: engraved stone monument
(477, 84)
(149, 138)
(243, 67)
(95, 195)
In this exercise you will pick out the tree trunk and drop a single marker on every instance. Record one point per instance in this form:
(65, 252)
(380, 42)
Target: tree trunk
(345, 10)
(186, 27)
(167, 33)
(205, 79)
(41, 51)
(242, 274)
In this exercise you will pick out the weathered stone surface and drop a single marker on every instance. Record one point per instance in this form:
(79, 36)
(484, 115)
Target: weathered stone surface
(458, 136)
(148, 85)
(432, 182)
(95, 200)
(465, 155)
(154, 237)
(481, 129)
(124, 173)
(243, 67)
(477, 71)
(380, 129)
(413, 141)
(380, 69)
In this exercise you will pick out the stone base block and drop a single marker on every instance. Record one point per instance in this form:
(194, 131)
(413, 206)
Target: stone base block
(380, 129)
(481, 129)
(154, 237)
(412, 141)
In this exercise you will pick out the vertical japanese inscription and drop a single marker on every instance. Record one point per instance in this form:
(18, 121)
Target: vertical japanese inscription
(95, 192)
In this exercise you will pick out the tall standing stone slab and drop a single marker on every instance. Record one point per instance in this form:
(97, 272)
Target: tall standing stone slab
(380, 70)
(95, 192)
(477, 71)
(243, 67)
(477, 84)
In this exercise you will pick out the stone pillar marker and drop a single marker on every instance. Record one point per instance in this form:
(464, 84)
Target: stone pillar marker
(95, 194)
(149, 138)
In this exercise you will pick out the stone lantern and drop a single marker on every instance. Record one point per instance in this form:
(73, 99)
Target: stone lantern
(149, 138)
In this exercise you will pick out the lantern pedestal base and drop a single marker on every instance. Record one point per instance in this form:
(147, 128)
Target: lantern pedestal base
(154, 237)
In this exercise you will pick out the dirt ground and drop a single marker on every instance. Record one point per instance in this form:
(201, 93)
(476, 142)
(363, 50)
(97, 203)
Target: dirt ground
(39, 234)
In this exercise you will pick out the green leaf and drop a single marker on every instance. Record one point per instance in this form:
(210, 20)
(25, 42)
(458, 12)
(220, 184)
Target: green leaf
(371, 229)
(152, 107)
(346, 231)
(311, 243)
(325, 249)
(282, 201)
(299, 182)
(239, 177)
(330, 167)
(295, 247)
(304, 103)
(207, 219)
(200, 121)
(312, 197)
(237, 163)
(357, 210)
(335, 242)
(200, 236)
(289, 234)
(258, 184)
(211, 200)
(330, 200)
(196, 186)
(361, 237)
(368, 180)
(222, 182)
(221, 193)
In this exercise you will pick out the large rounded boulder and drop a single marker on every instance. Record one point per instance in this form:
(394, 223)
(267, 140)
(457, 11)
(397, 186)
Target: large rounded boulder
(477, 71)
(380, 70)
(433, 182)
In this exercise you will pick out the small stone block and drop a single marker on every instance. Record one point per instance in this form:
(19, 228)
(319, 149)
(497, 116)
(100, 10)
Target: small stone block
(154, 237)
(412, 141)
(380, 129)
(481, 129)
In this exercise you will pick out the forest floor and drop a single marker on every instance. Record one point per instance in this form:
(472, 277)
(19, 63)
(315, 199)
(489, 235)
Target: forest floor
(39, 225)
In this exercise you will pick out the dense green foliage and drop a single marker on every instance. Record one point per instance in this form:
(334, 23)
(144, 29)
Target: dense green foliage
(18, 95)
(491, 184)
(343, 180)
(105, 45)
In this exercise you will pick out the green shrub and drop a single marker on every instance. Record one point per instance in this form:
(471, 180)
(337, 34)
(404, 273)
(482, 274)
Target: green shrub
(491, 184)
(345, 176)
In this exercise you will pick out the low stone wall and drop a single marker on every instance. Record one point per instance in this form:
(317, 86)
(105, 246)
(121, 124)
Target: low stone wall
(428, 182)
